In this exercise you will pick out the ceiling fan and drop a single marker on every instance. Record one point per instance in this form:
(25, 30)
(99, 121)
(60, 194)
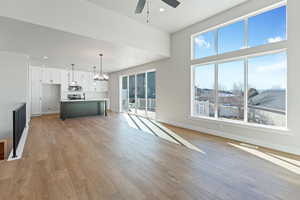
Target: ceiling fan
(141, 5)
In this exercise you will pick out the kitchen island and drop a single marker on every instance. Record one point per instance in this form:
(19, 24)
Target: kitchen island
(82, 108)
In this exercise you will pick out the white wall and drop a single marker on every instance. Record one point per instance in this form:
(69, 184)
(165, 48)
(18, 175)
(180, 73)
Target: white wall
(13, 88)
(173, 84)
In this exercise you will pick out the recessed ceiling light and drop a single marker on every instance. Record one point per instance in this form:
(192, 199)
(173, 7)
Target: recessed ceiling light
(162, 10)
(45, 57)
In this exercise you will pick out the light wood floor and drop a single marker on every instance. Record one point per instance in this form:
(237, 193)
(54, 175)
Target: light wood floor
(103, 158)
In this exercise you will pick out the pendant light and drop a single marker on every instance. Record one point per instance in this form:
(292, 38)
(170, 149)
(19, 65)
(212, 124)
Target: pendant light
(96, 75)
(94, 71)
(101, 76)
(73, 82)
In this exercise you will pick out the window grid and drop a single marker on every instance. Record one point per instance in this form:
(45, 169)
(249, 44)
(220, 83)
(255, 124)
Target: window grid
(246, 89)
(246, 35)
(264, 50)
(245, 59)
(246, 32)
(216, 90)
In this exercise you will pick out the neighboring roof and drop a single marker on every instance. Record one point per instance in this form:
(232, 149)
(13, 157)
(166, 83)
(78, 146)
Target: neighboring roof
(275, 99)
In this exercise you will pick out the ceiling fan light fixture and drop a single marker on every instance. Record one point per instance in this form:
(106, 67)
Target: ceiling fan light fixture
(142, 3)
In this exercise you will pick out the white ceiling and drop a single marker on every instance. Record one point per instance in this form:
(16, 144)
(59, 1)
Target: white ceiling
(171, 20)
(64, 48)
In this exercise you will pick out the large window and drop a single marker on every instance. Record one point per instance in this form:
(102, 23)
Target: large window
(267, 27)
(226, 42)
(204, 96)
(243, 86)
(267, 89)
(204, 45)
(231, 90)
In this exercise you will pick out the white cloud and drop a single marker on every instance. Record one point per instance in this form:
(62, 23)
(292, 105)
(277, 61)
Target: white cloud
(271, 68)
(275, 39)
(201, 42)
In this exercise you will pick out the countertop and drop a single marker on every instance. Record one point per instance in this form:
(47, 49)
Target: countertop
(82, 100)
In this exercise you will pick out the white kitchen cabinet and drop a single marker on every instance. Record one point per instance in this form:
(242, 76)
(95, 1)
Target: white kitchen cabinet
(74, 76)
(90, 82)
(36, 90)
(58, 79)
(65, 80)
(51, 76)
(82, 79)
(56, 76)
(101, 86)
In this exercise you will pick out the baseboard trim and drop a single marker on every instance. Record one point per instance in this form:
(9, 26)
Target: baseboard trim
(50, 112)
(292, 150)
(21, 145)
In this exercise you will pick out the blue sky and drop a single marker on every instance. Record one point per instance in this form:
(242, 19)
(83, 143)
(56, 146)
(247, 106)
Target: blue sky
(265, 72)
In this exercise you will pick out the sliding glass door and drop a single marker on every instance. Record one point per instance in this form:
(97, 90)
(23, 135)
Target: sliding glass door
(124, 94)
(132, 97)
(151, 94)
(139, 94)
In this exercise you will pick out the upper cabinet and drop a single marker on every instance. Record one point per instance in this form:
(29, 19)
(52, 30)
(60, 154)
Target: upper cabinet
(65, 80)
(82, 80)
(51, 76)
(64, 77)
(101, 86)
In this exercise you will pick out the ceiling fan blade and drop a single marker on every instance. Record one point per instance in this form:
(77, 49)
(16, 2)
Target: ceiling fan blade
(140, 6)
(172, 3)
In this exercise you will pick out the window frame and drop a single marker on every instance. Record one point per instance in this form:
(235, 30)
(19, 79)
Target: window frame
(135, 77)
(215, 33)
(244, 18)
(241, 54)
(216, 79)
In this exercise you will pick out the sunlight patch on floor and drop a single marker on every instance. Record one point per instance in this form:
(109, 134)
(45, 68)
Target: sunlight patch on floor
(157, 129)
(292, 161)
(130, 122)
(183, 141)
(140, 124)
(277, 160)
